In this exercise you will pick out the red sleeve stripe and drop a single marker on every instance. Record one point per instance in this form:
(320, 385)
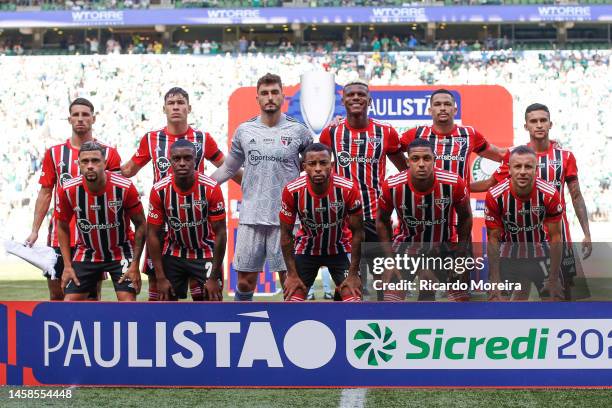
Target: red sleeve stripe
(73, 181)
(342, 182)
(296, 184)
(397, 179)
(207, 180)
(162, 183)
(545, 187)
(447, 176)
(500, 188)
(116, 178)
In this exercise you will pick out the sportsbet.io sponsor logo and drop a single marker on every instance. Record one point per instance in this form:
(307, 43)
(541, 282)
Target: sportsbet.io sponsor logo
(255, 157)
(86, 227)
(176, 224)
(64, 178)
(163, 164)
(345, 159)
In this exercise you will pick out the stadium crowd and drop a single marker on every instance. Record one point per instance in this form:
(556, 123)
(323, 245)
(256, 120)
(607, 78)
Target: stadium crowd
(129, 102)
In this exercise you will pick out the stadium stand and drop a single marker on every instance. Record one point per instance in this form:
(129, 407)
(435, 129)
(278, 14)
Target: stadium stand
(127, 91)
(140, 4)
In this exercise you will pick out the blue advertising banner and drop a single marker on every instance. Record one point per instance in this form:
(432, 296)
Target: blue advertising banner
(316, 344)
(320, 15)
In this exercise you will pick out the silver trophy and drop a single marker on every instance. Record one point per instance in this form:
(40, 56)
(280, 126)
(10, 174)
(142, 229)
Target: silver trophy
(317, 99)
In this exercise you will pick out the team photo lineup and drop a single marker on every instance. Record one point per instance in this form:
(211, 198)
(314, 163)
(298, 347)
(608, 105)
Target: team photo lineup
(332, 198)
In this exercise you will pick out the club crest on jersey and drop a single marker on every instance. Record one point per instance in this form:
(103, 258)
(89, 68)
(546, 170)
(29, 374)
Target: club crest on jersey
(286, 140)
(336, 206)
(374, 141)
(442, 203)
(115, 204)
(65, 177)
(200, 203)
(461, 141)
(554, 164)
(538, 209)
(163, 164)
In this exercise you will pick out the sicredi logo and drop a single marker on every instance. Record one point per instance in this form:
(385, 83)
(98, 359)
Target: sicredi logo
(478, 344)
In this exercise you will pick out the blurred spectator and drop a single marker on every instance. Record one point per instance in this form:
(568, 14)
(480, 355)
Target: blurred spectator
(196, 47)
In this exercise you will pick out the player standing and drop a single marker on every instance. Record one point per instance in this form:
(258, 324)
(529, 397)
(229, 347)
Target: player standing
(324, 202)
(518, 213)
(360, 146)
(103, 204)
(155, 146)
(269, 146)
(191, 204)
(453, 146)
(425, 199)
(558, 167)
(60, 164)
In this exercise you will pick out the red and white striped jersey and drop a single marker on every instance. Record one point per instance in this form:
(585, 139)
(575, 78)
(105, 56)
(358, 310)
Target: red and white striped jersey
(360, 155)
(188, 215)
(424, 216)
(556, 166)
(452, 149)
(61, 163)
(155, 145)
(103, 219)
(323, 217)
(522, 220)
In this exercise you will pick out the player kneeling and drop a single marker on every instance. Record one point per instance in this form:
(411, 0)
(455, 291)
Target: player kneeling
(324, 203)
(424, 199)
(103, 204)
(523, 218)
(192, 205)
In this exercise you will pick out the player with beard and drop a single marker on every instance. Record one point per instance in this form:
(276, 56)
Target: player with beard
(523, 218)
(324, 203)
(558, 167)
(59, 165)
(155, 146)
(360, 146)
(103, 204)
(453, 145)
(192, 206)
(425, 199)
(269, 147)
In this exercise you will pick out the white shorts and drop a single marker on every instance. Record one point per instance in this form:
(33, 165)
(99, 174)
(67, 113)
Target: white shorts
(254, 245)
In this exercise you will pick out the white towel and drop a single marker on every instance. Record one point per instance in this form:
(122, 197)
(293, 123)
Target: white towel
(42, 257)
